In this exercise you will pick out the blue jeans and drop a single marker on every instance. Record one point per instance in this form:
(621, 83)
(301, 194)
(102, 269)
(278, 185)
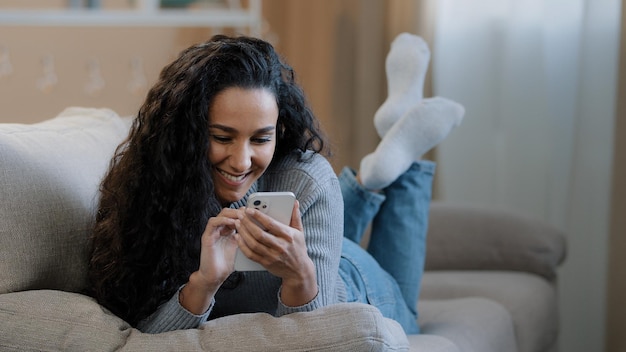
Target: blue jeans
(388, 274)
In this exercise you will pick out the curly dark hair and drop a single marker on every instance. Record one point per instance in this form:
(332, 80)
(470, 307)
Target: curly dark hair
(158, 194)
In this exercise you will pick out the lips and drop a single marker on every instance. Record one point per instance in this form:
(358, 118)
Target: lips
(232, 178)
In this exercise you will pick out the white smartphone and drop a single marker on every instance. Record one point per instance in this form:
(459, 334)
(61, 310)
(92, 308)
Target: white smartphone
(277, 205)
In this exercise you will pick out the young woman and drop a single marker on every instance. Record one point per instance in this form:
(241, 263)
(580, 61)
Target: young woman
(227, 119)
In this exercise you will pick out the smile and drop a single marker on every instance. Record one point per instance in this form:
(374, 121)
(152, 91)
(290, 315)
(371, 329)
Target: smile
(232, 178)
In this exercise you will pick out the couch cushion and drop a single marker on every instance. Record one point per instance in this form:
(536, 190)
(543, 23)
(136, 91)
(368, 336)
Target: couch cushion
(469, 237)
(473, 324)
(48, 189)
(45, 320)
(530, 300)
(48, 320)
(431, 343)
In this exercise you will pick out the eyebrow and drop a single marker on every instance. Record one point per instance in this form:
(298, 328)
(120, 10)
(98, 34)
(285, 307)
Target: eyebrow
(232, 130)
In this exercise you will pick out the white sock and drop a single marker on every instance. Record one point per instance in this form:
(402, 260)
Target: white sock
(420, 129)
(406, 66)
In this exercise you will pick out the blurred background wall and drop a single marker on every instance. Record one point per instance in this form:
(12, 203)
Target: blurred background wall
(52, 67)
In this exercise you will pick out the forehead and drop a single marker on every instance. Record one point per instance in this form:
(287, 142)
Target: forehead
(236, 105)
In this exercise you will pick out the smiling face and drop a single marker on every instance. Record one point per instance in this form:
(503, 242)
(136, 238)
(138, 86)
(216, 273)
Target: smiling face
(242, 139)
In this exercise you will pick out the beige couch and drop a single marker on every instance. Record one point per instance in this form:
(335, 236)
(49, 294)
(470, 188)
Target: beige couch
(490, 283)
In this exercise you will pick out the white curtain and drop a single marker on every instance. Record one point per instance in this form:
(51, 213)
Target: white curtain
(538, 81)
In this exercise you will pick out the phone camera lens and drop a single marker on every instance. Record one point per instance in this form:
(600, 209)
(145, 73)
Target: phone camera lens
(257, 202)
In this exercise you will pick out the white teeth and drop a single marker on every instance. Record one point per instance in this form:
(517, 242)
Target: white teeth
(231, 177)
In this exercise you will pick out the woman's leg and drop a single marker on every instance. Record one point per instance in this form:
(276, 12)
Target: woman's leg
(409, 127)
(398, 236)
(365, 280)
(360, 205)
(389, 276)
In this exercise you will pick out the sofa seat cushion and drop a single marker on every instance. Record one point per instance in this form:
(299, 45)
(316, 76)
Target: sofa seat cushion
(473, 324)
(48, 185)
(431, 343)
(48, 320)
(530, 299)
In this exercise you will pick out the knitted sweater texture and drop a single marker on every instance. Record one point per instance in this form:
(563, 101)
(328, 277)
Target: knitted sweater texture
(311, 178)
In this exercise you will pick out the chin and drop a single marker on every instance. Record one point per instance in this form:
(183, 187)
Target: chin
(231, 197)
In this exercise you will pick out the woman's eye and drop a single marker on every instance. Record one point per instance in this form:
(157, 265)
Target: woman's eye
(261, 140)
(221, 139)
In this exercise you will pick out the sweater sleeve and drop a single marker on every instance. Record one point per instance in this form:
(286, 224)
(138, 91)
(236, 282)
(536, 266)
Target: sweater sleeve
(321, 205)
(171, 315)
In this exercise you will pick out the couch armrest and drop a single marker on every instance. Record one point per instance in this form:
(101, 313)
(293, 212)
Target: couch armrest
(49, 320)
(465, 237)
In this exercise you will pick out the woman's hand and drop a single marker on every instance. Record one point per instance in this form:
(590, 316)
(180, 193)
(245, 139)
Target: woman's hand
(281, 249)
(217, 261)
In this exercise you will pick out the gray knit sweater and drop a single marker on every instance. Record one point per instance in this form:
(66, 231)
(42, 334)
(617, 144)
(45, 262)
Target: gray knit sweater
(316, 187)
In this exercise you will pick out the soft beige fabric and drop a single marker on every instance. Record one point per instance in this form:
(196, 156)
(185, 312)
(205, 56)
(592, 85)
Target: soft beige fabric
(46, 320)
(530, 300)
(480, 325)
(463, 237)
(48, 189)
(48, 185)
(431, 343)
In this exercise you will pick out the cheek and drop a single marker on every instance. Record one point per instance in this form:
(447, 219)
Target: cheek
(215, 153)
(265, 155)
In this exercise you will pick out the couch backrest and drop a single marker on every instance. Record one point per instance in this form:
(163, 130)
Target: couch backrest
(49, 178)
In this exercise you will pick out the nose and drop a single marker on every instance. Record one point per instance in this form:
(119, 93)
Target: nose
(240, 158)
